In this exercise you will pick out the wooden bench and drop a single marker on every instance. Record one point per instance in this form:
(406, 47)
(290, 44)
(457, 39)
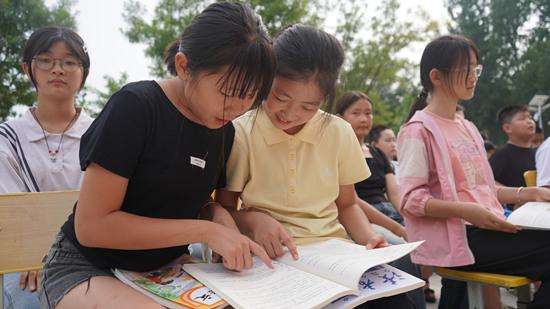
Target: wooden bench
(475, 280)
(28, 225)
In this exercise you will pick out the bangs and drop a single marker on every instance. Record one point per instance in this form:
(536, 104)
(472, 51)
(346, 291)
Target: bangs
(463, 58)
(251, 73)
(75, 48)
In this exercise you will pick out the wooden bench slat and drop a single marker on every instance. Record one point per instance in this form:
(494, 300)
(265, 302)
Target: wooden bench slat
(28, 225)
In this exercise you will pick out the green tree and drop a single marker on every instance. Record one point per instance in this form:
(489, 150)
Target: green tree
(513, 38)
(18, 19)
(93, 100)
(172, 16)
(375, 65)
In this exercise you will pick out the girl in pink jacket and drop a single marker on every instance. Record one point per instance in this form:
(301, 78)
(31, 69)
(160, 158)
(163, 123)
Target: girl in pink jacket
(448, 193)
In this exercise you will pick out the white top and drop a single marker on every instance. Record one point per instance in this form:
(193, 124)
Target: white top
(395, 166)
(25, 164)
(542, 160)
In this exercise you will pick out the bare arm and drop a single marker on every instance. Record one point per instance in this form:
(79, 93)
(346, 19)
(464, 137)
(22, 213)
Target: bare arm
(392, 190)
(476, 214)
(376, 217)
(230, 200)
(354, 219)
(510, 195)
(98, 217)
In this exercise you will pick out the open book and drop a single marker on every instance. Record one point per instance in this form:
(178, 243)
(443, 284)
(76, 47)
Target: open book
(171, 287)
(336, 273)
(532, 215)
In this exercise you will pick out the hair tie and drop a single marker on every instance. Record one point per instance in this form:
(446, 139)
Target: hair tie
(85, 48)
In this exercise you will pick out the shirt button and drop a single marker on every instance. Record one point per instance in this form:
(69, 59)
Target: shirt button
(292, 190)
(292, 172)
(291, 156)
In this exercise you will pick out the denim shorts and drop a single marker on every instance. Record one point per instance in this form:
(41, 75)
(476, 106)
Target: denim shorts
(388, 209)
(64, 269)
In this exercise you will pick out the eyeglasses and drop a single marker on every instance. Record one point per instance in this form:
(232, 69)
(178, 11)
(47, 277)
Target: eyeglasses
(478, 69)
(47, 63)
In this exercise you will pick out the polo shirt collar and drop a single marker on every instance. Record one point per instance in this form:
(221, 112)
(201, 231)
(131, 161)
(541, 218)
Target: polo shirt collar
(310, 133)
(34, 133)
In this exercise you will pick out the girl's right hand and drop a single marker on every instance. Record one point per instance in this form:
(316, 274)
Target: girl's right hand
(271, 234)
(376, 241)
(235, 249)
(484, 218)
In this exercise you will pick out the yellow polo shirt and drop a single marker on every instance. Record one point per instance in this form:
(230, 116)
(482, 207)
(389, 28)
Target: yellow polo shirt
(295, 178)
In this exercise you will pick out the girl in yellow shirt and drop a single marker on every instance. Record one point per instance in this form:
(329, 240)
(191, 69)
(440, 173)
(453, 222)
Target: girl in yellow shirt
(294, 166)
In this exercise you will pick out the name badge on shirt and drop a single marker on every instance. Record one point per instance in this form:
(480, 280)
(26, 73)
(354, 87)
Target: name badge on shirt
(197, 162)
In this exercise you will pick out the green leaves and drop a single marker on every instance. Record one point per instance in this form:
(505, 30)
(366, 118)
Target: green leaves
(373, 47)
(376, 64)
(18, 19)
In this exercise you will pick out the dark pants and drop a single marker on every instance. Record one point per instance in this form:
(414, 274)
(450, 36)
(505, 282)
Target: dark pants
(523, 254)
(400, 301)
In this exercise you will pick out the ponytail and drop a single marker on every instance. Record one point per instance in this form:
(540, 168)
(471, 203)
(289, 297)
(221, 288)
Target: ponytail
(170, 56)
(419, 104)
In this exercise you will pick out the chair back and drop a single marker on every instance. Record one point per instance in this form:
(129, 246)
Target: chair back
(530, 178)
(28, 225)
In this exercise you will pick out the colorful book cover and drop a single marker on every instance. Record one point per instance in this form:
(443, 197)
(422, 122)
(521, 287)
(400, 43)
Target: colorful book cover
(172, 283)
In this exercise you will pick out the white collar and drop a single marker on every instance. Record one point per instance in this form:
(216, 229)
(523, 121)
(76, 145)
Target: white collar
(34, 132)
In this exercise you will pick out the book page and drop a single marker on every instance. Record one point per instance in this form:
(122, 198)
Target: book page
(172, 287)
(344, 262)
(263, 288)
(380, 281)
(532, 215)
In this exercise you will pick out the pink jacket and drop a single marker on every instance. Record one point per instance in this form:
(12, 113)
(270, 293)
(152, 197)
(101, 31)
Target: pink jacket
(424, 172)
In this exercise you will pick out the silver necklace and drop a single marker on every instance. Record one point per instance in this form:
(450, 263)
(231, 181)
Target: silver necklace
(53, 152)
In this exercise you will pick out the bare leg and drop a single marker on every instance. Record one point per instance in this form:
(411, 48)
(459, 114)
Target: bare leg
(105, 292)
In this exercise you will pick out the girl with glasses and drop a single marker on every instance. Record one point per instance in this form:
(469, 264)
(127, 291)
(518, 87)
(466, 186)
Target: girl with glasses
(152, 159)
(39, 151)
(449, 197)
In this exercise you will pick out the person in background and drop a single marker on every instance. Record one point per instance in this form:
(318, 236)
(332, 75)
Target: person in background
(39, 151)
(381, 189)
(510, 161)
(383, 138)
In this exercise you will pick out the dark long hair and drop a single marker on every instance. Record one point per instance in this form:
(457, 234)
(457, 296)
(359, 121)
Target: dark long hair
(445, 54)
(348, 98)
(305, 52)
(42, 39)
(228, 35)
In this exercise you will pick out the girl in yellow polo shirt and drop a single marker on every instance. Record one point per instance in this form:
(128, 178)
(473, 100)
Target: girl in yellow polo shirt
(294, 166)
